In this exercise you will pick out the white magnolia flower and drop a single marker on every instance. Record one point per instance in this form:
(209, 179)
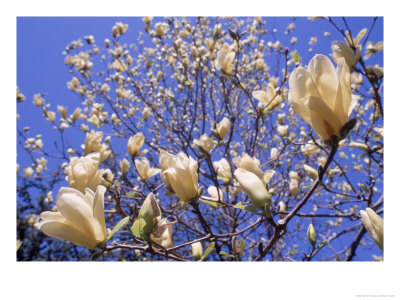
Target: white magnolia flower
(83, 173)
(144, 170)
(249, 164)
(93, 144)
(270, 99)
(254, 187)
(344, 49)
(135, 143)
(225, 59)
(197, 250)
(374, 225)
(321, 95)
(181, 175)
(223, 169)
(205, 143)
(223, 128)
(79, 219)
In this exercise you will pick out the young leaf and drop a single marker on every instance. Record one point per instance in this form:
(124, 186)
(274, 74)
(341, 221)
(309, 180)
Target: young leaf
(137, 227)
(227, 254)
(121, 224)
(208, 251)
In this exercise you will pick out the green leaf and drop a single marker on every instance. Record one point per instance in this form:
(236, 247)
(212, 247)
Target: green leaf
(227, 254)
(137, 227)
(323, 243)
(295, 56)
(129, 194)
(121, 224)
(208, 251)
(250, 208)
(211, 203)
(242, 245)
(293, 252)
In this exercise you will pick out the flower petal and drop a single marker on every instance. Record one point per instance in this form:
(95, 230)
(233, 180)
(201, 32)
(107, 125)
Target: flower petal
(324, 77)
(323, 112)
(343, 97)
(75, 208)
(55, 225)
(98, 214)
(301, 84)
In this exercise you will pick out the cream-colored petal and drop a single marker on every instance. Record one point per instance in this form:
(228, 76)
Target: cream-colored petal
(72, 205)
(324, 77)
(319, 126)
(154, 171)
(343, 97)
(98, 214)
(325, 113)
(63, 230)
(359, 36)
(300, 108)
(301, 85)
(261, 96)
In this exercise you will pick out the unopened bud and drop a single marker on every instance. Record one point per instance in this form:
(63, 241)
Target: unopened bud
(311, 235)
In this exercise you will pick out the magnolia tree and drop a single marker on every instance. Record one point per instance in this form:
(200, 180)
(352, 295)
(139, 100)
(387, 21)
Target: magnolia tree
(208, 139)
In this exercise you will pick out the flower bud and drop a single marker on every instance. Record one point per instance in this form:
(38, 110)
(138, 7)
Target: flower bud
(374, 225)
(254, 188)
(311, 235)
(124, 166)
(311, 172)
(197, 250)
(222, 128)
(181, 175)
(223, 169)
(135, 143)
(205, 144)
(282, 207)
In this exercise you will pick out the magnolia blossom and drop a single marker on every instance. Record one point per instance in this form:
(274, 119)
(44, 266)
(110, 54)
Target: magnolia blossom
(371, 48)
(374, 225)
(144, 170)
(270, 98)
(283, 130)
(311, 172)
(321, 95)
(205, 143)
(161, 28)
(82, 172)
(181, 175)
(135, 143)
(282, 208)
(197, 250)
(93, 144)
(344, 49)
(223, 169)
(215, 193)
(294, 183)
(309, 149)
(79, 219)
(249, 164)
(124, 166)
(311, 235)
(63, 111)
(225, 58)
(254, 187)
(222, 129)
